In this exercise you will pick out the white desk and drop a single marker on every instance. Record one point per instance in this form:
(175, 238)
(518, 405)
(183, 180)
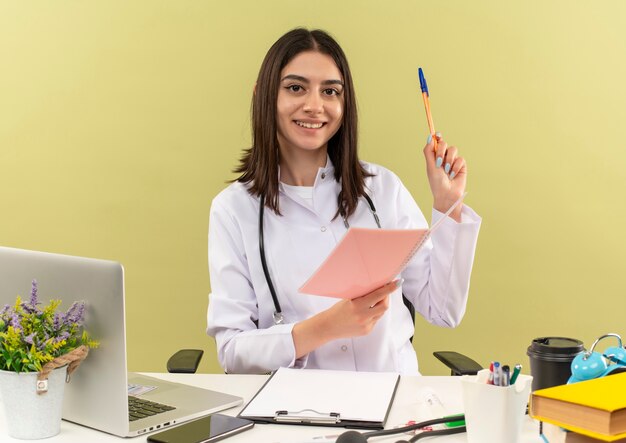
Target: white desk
(448, 389)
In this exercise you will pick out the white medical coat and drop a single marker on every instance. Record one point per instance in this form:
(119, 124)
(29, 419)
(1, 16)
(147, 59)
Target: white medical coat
(240, 313)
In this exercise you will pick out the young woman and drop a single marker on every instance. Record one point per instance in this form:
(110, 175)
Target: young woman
(301, 187)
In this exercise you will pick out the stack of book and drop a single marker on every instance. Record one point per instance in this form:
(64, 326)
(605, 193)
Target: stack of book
(594, 410)
(572, 437)
(556, 434)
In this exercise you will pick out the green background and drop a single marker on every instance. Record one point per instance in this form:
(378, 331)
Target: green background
(121, 120)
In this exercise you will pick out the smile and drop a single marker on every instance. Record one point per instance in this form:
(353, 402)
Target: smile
(309, 125)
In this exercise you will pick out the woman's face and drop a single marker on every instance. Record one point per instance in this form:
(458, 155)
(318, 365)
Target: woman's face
(310, 102)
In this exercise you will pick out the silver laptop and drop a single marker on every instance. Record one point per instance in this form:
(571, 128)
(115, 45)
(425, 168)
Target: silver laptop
(98, 395)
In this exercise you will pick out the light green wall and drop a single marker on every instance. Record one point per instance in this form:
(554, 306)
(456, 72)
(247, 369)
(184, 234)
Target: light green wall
(121, 120)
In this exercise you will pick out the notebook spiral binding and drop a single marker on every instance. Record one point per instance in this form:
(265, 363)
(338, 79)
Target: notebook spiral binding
(428, 234)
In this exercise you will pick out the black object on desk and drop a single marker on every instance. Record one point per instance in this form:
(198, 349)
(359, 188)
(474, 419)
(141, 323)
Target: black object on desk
(551, 360)
(207, 429)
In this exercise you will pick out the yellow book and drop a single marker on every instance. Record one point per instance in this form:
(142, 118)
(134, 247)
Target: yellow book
(596, 408)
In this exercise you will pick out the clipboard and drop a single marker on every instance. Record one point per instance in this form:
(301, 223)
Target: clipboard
(319, 397)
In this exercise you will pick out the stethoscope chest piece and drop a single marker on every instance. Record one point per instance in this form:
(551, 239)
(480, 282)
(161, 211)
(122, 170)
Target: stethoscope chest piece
(278, 318)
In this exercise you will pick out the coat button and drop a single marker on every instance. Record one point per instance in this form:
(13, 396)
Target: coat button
(323, 229)
(344, 348)
(323, 175)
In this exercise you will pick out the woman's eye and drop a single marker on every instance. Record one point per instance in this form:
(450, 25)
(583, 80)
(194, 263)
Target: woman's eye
(330, 92)
(294, 88)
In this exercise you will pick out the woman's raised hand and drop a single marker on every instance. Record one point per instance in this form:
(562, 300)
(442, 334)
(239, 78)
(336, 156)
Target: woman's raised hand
(447, 175)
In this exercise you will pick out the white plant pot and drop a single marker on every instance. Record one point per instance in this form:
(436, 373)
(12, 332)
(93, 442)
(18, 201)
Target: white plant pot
(30, 416)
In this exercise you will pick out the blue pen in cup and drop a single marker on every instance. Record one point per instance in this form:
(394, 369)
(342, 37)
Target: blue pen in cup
(496, 373)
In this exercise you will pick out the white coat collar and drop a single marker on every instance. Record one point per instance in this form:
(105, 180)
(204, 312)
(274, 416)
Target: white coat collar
(323, 174)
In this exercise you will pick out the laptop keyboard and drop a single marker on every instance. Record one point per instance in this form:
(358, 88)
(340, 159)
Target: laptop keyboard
(140, 408)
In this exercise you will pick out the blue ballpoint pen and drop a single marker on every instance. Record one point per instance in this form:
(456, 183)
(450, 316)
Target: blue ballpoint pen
(426, 97)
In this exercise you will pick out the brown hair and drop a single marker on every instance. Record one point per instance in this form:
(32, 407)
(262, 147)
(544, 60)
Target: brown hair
(259, 164)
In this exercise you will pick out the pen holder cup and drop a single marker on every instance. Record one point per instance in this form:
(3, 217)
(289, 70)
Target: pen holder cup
(494, 414)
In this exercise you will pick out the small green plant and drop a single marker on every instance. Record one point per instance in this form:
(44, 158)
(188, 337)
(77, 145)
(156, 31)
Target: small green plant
(30, 336)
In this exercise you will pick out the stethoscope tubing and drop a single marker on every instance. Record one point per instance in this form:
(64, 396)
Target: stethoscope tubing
(278, 313)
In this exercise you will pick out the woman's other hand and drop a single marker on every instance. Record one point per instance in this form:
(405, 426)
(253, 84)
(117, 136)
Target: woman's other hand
(357, 317)
(346, 318)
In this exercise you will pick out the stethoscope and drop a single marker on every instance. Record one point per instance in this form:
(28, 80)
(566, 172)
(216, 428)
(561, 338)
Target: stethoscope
(278, 313)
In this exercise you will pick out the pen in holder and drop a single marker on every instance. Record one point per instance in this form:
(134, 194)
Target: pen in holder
(494, 414)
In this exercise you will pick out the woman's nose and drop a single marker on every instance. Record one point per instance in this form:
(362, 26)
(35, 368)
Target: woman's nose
(313, 103)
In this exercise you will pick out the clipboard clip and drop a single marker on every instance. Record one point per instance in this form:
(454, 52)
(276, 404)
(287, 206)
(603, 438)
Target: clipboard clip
(307, 416)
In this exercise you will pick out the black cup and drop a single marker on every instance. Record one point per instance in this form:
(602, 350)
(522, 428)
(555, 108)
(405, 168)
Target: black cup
(551, 360)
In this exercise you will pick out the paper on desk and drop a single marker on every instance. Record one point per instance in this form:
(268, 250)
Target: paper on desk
(331, 438)
(428, 405)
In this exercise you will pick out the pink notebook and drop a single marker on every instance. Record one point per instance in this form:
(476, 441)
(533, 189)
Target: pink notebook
(366, 259)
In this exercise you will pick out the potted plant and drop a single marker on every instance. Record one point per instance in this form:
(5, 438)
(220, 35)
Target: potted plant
(40, 346)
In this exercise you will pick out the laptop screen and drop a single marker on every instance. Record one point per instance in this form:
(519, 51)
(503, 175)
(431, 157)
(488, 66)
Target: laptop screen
(97, 393)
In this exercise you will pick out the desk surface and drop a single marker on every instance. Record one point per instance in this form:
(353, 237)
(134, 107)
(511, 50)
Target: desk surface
(405, 408)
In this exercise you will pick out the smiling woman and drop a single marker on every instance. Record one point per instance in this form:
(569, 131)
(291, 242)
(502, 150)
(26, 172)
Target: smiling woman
(303, 165)
(303, 50)
(310, 109)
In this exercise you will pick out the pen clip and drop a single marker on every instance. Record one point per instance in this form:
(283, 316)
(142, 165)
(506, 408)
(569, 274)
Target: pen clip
(312, 416)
